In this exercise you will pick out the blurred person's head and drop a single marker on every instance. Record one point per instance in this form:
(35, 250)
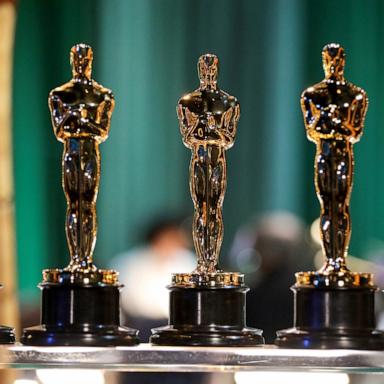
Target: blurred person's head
(166, 236)
(271, 242)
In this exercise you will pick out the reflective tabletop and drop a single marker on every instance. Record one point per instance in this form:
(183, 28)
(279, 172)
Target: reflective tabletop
(147, 358)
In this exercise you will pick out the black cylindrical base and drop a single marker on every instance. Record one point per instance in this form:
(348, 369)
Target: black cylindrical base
(333, 318)
(7, 335)
(207, 316)
(79, 315)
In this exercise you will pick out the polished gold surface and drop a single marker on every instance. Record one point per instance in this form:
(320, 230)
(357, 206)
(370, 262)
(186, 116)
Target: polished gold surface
(334, 113)
(81, 113)
(103, 276)
(208, 120)
(215, 279)
(334, 279)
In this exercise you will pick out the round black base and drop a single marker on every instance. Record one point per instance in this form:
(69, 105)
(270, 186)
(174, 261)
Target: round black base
(42, 335)
(333, 318)
(330, 339)
(211, 337)
(79, 315)
(207, 316)
(7, 335)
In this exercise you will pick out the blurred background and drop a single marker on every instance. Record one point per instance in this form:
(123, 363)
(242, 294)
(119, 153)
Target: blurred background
(146, 52)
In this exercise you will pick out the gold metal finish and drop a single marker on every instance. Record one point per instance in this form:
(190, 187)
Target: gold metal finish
(208, 120)
(215, 279)
(103, 276)
(334, 112)
(335, 279)
(81, 113)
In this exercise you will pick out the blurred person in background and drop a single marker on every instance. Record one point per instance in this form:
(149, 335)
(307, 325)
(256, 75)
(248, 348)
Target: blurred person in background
(146, 271)
(269, 251)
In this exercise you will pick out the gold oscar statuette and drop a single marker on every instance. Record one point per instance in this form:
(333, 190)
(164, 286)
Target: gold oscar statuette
(334, 307)
(334, 121)
(208, 304)
(80, 304)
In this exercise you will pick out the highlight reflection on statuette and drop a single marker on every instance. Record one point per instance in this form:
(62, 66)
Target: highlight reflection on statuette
(207, 306)
(334, 113)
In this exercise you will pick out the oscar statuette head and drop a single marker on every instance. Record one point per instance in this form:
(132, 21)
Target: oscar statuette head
(333, 61)
(81, 57)
(208, 68)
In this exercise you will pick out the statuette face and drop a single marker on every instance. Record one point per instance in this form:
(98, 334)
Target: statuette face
(81, 57)
(208, 120)
(208, 70)
(333, 61)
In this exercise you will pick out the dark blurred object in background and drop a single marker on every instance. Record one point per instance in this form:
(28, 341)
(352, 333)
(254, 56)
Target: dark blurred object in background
(269, 251)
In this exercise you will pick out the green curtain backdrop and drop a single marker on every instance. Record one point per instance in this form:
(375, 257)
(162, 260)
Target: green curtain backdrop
(146, 52)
